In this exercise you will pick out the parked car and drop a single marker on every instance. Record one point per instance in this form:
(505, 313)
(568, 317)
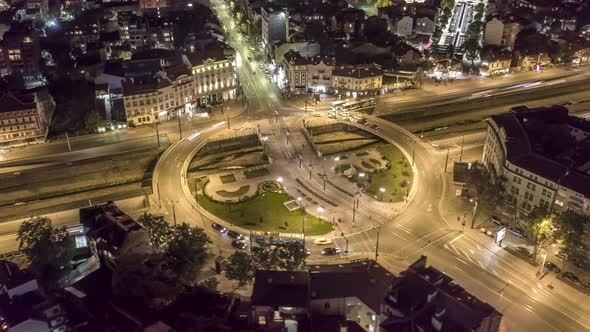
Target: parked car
(235, 235)
(552, 267)
(375, 127)
(525, 251)
(322, 241)
(571, 276)
(586, 285)
(218, 228)
(516, 231)
(496, 220)
(363, 121)
(261, 240)
(239, 244)
(330, 251)
(561, 255)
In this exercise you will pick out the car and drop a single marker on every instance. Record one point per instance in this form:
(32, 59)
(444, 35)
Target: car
(525, 251)
(238, 244)
(375, 127)
(278, 241)
(330, 251)
(235, 235)
(516, 231)
(561, 255)
(322, 241)
(218, 228)
(586, 285)
(496, 220)
(552, 267)
(571, 276)
(362, 121)
(261, 240)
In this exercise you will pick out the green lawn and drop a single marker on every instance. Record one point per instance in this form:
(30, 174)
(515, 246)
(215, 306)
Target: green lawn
(269, 208)
(342, 168)
(391, 179)
(237, 193)
(200, 182)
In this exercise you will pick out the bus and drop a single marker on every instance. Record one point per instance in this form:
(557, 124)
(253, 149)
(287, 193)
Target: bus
(352, 105)
(335, 104)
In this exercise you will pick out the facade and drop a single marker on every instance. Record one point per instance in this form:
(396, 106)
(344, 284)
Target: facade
(357, 81)
(404, 26)
(41, 5)
(20, 52)
(275, 25)
(426, 299)
(494, 62)
(542, 153)
(500, 32)
(309, 74)
(201, 79)
(22, 119)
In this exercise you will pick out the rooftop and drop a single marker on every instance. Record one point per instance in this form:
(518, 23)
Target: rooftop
(358, 71)
(13, 103)
(281, 289)
(424, 296)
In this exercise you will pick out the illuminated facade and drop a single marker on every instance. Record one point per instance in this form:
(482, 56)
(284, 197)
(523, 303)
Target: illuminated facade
(22, 119)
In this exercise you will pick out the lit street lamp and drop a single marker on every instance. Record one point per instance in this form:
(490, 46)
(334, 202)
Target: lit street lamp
(382, 190)
(362, 176)
(320, 210)
(337, 161)
(280, 179)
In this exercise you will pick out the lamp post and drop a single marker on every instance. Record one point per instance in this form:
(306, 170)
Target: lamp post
(320, 210)
(337, 161)
(474, 212)
(362, 176)
(543, 265)
(381, 191)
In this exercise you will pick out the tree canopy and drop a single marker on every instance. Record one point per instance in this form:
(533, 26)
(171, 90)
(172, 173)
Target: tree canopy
(47, 249)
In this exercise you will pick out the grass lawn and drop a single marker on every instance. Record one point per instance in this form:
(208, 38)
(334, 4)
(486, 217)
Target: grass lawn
(393, 178)
(342, 168)
(375, 161)
(200, 182)
(227, 178)
(367, 165)
(269, 208)
(237, 193)
(343, 146)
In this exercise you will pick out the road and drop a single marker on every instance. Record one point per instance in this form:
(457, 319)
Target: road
(425, 227)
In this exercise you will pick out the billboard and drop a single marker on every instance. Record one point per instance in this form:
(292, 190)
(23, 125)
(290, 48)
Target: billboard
(500, 235)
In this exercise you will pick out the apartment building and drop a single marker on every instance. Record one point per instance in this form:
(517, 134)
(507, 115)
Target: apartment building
(22, 119)
(200, 79)
(544, 154)
(308, 73)
(501, 32)
(20, 52)
(357, 81)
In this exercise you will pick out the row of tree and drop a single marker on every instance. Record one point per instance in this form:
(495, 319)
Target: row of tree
(447, 11)
(242, 266)
(472, 44)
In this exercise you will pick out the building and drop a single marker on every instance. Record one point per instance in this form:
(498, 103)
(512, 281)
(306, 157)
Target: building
(280, 299)
(20, 52)
(41, 5)
(305, 49)
(357, 81)
(214, 73)
(198, 79)
(22, 119)
(348, 21)
(346, 294)
(353, 292)
(308, 74)
(501, 32)
(275, 26)
(113, 233)
(426, 299)
(544, 155)
(409, 19)
(494, 61)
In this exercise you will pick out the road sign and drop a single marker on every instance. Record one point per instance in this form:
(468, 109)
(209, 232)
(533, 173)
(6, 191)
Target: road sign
(500, 235)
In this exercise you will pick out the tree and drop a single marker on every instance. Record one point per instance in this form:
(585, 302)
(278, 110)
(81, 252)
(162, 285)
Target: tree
(211, 283)
(314, 30)
(240, 267)
(539, 228)
(266, 258)
(47, 249)
(574, 231)
(91, 120)
(188, 249)
(471, 46)
(158, 228)
(292, 256)
(147, 278)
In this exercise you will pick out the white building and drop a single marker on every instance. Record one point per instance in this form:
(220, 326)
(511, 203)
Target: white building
(534, 150)
(308, 74)
(501, 33)
(275, 26)
(22, 119)
(357, 81)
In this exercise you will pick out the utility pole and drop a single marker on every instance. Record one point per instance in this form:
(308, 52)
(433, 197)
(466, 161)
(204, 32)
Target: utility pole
(196, 194)
(474, 212)
(377, 244)
(462, 143)
(447, 160)
(158, 135)
(228, 125)
(179, 127)
(324, 177)
(159, 197)
(174, 213)
(68, 140)
(353, 210)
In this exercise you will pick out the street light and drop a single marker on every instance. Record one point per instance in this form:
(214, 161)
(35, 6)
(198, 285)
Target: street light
(362, 176)
(280, 179)
(381, 190)
(337, 161)
(320, 210)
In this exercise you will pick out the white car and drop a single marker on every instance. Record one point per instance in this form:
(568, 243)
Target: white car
(321, 241)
